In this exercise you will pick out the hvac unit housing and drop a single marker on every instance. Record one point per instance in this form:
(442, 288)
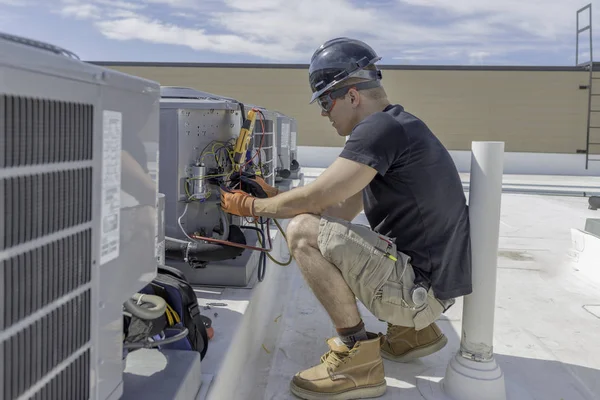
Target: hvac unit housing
(197, 133)
(73, 185)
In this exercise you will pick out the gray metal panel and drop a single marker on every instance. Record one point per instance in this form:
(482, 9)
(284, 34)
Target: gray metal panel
(47, 288)
(199, 104)
(296, 167)
(237, 272)
(174, 375)
(139, 102)
(189, 128)
(592, 225)
(284, 124)
(58, 101)
(178, 92)
(294, 138)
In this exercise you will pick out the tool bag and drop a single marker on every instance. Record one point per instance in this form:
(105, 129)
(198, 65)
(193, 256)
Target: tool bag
(182, 310)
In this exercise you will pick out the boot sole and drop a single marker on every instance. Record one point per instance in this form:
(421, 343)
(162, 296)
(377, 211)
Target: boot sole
(418, 352)
(365, 392)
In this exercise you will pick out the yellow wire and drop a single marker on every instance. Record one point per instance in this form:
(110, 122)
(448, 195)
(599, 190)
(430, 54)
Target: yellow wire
(289, 261)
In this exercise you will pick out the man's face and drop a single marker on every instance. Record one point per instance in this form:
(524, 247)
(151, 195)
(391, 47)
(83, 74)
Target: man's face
(341, 113)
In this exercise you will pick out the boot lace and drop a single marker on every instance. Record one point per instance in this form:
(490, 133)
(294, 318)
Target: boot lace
(393, 330)
(334, 359)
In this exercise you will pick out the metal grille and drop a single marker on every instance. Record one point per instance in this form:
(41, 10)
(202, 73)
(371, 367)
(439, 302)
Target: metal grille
(37, 278)
(43, 345)
(71, 383)
(43, 286)
(40, 131)
(38, 205)
(263, 142)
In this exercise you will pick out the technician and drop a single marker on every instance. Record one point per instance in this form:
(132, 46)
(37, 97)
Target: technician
(413, 261)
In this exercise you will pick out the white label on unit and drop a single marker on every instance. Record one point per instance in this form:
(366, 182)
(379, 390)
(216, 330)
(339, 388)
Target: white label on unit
(285, 135)
(112, 126)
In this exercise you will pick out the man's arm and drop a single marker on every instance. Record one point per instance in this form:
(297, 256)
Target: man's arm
(348, 209)
(342, 180)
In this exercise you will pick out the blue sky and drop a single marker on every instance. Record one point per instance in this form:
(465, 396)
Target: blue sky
(448, 32)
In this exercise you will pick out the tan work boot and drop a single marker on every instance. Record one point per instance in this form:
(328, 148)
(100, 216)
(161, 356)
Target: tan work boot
(344, 373)
(403, 344)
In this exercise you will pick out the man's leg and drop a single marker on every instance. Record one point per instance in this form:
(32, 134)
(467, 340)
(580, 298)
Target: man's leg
(359, 373)
(382, 285)
(325, 279)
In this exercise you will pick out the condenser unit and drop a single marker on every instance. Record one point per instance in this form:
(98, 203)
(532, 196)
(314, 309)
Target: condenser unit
(198, 132)
(78, 209)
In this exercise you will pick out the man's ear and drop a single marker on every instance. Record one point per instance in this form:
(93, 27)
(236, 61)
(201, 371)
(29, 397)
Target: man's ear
(354, 97)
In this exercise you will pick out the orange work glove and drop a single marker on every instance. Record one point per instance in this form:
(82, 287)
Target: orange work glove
(253, 184)
(237, 202)
(269, 190)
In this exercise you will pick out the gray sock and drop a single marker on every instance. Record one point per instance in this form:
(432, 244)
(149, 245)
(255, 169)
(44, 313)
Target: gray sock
(352, 335)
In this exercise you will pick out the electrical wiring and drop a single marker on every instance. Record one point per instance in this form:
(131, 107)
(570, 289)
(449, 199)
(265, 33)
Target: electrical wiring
(258, 151)
(222, 152)
(262, 260)
(290, 258)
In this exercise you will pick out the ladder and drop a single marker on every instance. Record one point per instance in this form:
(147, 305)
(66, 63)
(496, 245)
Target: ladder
(589, 66)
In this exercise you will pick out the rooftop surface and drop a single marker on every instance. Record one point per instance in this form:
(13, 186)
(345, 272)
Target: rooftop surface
(547, 312)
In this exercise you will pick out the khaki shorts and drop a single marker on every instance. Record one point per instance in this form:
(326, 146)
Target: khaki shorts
(380, 283)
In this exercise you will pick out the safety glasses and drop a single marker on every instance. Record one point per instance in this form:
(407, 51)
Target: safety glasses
(327, 100)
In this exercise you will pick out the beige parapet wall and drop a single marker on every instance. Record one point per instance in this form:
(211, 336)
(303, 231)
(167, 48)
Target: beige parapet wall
(540, 110)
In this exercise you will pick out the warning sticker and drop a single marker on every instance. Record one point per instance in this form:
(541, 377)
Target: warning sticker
(112, 125)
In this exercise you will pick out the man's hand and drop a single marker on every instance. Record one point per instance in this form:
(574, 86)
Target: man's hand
(269, 190)
(255, 185)
(237, 202)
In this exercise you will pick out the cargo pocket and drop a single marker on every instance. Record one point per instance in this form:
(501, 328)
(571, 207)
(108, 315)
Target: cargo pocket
(383, 264)
(398, 293)
(395, 293)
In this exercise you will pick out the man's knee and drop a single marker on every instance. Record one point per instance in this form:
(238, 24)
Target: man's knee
(302, 230)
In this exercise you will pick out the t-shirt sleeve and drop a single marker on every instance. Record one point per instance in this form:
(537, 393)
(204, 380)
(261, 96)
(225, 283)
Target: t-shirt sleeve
(377, 142)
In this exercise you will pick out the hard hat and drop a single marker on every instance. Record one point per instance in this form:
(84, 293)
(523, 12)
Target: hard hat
(338, 59)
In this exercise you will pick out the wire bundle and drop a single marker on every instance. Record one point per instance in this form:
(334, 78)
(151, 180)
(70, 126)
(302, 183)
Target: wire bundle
(223, 155)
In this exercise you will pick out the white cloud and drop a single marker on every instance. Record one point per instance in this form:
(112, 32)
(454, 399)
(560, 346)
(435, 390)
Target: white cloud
(544, 18)
(157, 32)
(124, 5)
(121, 14)
(81, 11)
(466, 31)
(184, 4)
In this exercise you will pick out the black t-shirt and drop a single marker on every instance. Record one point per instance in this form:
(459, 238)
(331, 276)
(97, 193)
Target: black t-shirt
(416, 198)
